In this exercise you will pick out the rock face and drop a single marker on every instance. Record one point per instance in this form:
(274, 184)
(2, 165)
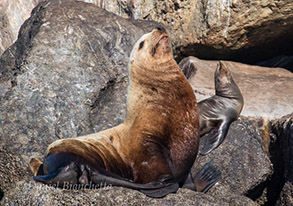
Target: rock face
(12, 16)
(265, 90)
(13, 13)
(283, 128)
(218, 29)
(286, 196)
(30, 193)
(280, 185)
(215, 29)
(61, 77)
(241, 158)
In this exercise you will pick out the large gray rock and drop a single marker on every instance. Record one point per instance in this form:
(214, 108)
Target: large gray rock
(67, 70)
(283, 129)
(13, 13)
(30, 193)
(265, 90)
(286, 196)
(241, 159)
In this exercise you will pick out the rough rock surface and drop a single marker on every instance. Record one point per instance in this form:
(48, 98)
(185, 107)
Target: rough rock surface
(265, 90)
(12, 16)
(283, 128)
(30, 193)
(286, 196)
(214, 29)
(218, 28)
(13, 13)
(241, 159)
(58, 79)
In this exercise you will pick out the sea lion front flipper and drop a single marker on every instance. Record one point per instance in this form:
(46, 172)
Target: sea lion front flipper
(215, 137)
(155, 189)
(206, 177)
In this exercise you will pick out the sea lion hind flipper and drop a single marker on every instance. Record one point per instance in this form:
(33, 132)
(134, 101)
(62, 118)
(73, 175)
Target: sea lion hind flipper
(57, 169)
(36, 166)
(161, 192)
(189, 183)
(153, 189)
(63, 175)
(215, 137)
(206, 177)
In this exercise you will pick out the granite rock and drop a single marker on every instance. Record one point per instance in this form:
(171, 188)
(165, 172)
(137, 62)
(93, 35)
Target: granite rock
(30, 193)
(241, 159)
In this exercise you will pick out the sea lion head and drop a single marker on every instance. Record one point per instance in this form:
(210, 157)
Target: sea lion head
(223, 76)
(224, 83)
(152, 48)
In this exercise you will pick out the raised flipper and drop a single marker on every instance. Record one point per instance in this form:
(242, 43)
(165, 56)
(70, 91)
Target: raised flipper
(215, 137)
(206, 177)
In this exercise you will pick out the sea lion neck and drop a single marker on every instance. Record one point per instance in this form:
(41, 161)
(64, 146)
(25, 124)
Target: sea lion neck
(152, 70)
(228, 90)
(153, 84)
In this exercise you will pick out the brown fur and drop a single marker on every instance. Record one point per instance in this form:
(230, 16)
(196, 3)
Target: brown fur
(161, 132)
(35, 164)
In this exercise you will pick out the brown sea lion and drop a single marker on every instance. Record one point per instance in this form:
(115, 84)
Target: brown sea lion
(219, 111)
(155, 147)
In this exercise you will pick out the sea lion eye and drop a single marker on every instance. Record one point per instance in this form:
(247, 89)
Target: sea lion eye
(141, 45)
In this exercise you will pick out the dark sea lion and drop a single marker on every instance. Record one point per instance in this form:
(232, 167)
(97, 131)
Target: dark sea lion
(219, 111)
(155, 147)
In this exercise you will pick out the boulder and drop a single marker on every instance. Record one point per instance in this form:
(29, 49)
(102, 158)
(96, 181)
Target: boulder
(237, 30)
(65, 76)
(283, 129)
(13, 13)
(12, 16)
(240, 30)
(265, 90)
(277, 141)
(286, 196)
(241, 159)
(31, 193)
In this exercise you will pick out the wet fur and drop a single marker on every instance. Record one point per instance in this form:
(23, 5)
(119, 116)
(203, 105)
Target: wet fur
(219, 111)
